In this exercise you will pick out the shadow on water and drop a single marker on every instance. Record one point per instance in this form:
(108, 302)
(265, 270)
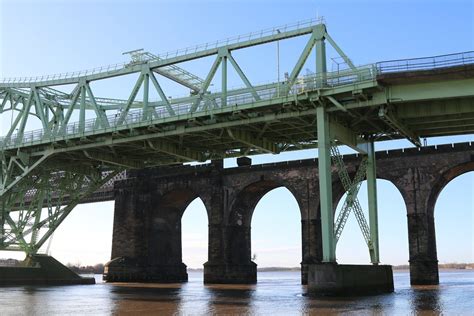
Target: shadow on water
(146, 298)
(425, 299)
(230, 299)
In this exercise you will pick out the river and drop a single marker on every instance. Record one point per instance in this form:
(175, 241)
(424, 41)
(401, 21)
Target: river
(277, 293)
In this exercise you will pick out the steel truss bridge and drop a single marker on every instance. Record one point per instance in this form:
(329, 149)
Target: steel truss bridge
(45, 173)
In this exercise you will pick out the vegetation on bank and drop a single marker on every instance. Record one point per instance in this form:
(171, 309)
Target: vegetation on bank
(95, 269)
(460, 266)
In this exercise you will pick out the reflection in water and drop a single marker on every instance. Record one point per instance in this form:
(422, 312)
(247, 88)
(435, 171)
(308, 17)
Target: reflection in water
(139, 298)
(277, 293)
(426, 299)
(229, 299)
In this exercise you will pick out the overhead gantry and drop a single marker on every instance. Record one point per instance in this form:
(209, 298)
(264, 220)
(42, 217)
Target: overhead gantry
(58, 165)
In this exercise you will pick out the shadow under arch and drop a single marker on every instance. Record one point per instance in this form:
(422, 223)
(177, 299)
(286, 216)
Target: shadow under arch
(238, 228)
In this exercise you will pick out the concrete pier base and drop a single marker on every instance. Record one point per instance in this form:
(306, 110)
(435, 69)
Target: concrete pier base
(126, 270)
(41, 270)
(230, 273)
(341, 279)
(424, 272)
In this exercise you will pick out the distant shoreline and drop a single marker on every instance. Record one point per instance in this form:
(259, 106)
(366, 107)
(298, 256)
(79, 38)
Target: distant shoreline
(99, 268)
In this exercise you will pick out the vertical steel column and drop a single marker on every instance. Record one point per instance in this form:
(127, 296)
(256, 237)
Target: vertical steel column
(146, 85)
(324, 163)
(325, 185)
(224, 82)
(372, 197)
(82, 113)
(321, 67)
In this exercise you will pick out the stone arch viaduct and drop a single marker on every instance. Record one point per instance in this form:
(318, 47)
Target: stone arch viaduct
(149, 205)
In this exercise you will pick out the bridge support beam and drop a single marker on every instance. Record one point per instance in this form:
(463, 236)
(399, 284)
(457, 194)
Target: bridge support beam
(372, 199)
(422, 247)
(146, 241)
(421, 229)
(311, 245)
(235, 266)
(325, 186)
(328, 277)
(417, 184)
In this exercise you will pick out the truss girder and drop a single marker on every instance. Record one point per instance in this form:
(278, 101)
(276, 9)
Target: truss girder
(387, 115)
(260, 144)
(28, 223)
(351, 202)
(15, 169)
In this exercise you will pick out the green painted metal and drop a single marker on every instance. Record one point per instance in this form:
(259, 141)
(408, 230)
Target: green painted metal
(352, 188)
(325, 185)
(224, 81)
(372, 200)
(381, 101)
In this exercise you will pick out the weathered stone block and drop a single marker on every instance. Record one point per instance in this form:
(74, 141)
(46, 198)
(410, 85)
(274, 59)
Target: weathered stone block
(230, 273)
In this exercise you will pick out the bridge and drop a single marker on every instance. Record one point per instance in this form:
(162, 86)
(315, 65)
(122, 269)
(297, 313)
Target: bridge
(149, 205)
(65, 162)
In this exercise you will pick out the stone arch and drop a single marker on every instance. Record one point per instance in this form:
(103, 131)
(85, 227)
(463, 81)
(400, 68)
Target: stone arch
(246, 200)
(238, 232)
(446, 177)
(165, 236)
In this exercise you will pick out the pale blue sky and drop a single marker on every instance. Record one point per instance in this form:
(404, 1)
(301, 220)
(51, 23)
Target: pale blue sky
(38, 38)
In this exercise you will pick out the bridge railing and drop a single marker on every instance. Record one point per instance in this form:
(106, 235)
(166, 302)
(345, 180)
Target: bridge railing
(426, 63)
(65, 75)
(207, 104)
(244, 96)
(244, 37)
(172, 54)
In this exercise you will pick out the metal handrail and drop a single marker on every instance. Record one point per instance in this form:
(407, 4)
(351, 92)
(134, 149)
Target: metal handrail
(270, 91)
(170, 54)
(426, 63)
(265, 92)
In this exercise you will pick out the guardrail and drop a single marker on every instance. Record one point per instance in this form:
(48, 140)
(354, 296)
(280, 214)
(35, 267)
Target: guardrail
(426, 63)
(66, 75)
(171, 54)
(269, 91)
(245, 37)
(274, 90)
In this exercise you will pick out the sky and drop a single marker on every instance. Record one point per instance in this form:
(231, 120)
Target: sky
(63, 36)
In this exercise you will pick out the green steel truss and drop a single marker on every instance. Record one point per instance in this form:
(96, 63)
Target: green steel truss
(34, 208)
(85, 139)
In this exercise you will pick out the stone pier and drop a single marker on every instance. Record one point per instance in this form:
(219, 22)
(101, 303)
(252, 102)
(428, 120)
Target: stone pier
(149, 205)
